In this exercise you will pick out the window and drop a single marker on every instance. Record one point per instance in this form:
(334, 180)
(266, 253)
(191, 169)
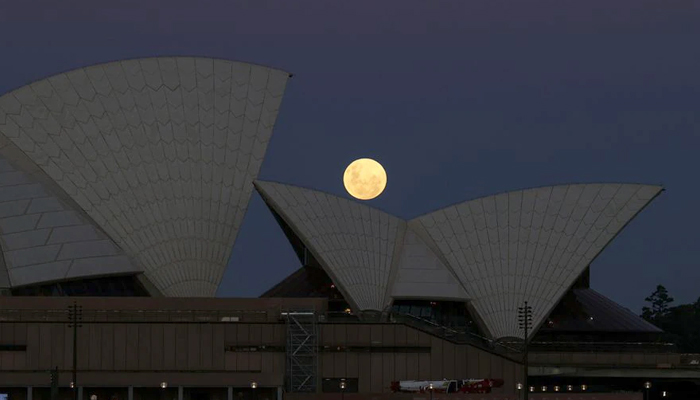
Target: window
(13, 347)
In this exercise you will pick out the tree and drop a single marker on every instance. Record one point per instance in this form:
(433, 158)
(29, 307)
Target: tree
(660, 302)
(680, 323)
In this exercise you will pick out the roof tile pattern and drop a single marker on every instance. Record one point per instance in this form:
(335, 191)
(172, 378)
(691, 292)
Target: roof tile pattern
(354, 243)
(420, 274)
(44, 240)
(159, 152)
(530, 245)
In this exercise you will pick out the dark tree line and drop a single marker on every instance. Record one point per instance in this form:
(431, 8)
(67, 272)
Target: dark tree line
(681, 323)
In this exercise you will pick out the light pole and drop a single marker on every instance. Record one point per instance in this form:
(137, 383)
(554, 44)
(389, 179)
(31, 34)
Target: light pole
(430, 387)
(342, 389)
(253, 386)
(525, 322)
(519, 387)
(75, 317)
(163, 386)
(647, 386)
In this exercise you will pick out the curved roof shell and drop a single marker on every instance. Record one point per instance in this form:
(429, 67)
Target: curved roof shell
(530, 245)
(495, 252)
(157, 155)
(354, 243)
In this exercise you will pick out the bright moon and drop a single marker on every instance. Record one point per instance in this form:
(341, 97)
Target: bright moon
(364, 179)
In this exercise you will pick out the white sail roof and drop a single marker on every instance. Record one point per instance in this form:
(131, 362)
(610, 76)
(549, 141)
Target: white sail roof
(530, 245)
(353, 242)
(160, 153)
(421, 274)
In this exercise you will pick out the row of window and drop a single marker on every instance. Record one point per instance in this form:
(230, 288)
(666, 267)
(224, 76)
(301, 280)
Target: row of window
(335, 349)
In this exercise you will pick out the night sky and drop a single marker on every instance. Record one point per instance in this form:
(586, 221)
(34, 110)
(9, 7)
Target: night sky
(458, 99)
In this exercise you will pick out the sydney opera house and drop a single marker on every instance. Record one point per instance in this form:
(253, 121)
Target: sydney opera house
(122, 190)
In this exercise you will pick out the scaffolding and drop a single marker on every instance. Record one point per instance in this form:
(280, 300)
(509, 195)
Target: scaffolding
(302, 351)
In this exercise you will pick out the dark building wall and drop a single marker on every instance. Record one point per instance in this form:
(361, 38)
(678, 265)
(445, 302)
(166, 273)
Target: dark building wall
(193, 353)
(375, 371)
(117, 354)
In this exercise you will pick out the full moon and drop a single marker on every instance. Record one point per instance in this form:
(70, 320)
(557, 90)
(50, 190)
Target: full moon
(364, 179)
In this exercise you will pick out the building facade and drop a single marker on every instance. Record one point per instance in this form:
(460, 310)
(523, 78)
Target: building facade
(213, 348)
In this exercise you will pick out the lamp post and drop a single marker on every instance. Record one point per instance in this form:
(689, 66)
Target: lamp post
(647, 386)
(163, 386)
(342, 389)
(253, 386)
(430, 387)
(525, 322)
(75, 317)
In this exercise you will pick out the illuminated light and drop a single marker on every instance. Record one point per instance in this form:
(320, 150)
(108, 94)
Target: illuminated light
(93, 397)
(348, 311)
(163, 385)
(519, 386)
(663, 394)
(544, 388)
(365, 179)
(647, 385)
(253, 385)
(72, 385)
(569, 388)
(556, 388)
(332, 286)
(590, 318)
(584, 387)
(532, 388)
(342, 384)
(430, 386)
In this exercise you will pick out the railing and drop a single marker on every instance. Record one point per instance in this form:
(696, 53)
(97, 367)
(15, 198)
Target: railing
(459, 336)
(173, 316)
(617, 347)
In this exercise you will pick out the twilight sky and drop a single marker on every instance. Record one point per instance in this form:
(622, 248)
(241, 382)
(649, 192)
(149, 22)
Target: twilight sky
(457, 98)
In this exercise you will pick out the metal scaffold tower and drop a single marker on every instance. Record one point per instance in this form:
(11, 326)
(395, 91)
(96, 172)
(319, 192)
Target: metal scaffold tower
(302, 351)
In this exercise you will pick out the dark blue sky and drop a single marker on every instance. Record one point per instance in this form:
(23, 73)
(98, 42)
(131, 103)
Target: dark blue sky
(458, 99)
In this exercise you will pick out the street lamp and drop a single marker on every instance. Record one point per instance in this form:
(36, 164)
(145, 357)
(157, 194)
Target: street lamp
(569, 387)
(93, 397)
(525, 323)
(342, 389)
(584, 387)
(544, 388)
(519, 386)
(556, 388)
(164, 385)
(253, 386)
(430, 386)
(663, 394)
(647, 386)
(75, 319)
